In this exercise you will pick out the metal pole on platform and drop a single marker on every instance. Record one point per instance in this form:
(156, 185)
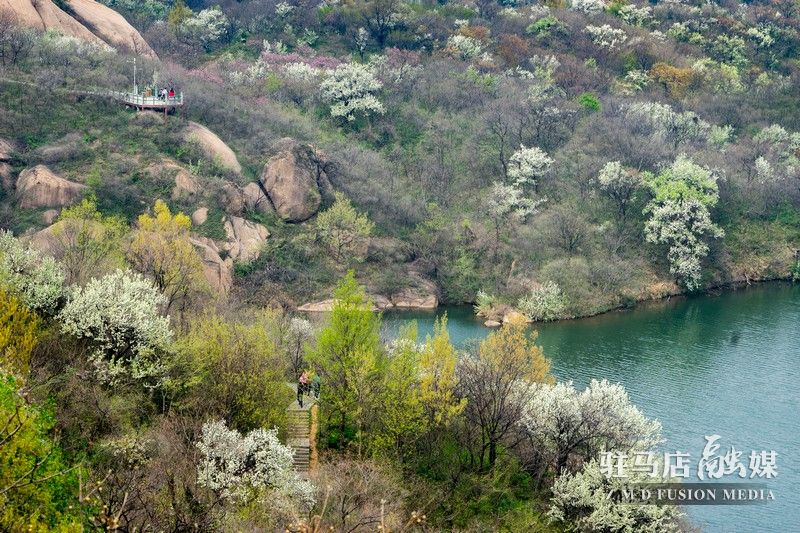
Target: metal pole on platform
(135, 88)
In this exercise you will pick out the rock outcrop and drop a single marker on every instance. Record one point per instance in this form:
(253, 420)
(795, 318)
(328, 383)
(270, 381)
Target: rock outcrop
(6, 175)
(255, 200)
(200, 216)
(212, 146)
(292, 179)
(84, 19)
(412, 298)
(217, 271)
(244, 238)
(379, 303)
(40, 187)
(513, 315)
(232, 199)
(185, 185)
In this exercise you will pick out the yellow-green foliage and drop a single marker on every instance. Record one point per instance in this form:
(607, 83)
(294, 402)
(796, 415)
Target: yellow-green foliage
(438, 376)
(233, 369)
(348, 354)
(161, 250)
(18, 328)
(38, 491)
(87, 243)
(512, 348)
(402, 418)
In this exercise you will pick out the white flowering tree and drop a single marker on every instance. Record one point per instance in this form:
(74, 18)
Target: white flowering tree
(527, 166)
(563, 423)
(119, 315)
(620, 184)
(241, 467)
(607, 37)
(464, 47)
(507, 204)
(545, 302)
(208, 26)
(679, 217)
(350, 91)
(37, 280)
(582, 500)
(588, 7)
(666, 123)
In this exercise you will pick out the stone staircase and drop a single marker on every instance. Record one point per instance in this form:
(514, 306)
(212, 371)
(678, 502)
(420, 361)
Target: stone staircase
(301, 430)
(298, 436)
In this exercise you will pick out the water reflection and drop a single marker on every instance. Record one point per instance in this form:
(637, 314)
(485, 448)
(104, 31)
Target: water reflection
(725, 364)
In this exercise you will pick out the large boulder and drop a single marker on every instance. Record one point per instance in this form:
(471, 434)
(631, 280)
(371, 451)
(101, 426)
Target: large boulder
(200, 216)
(85, 19)
(255, 200)
(217, 271)
(109, 26)
(232, 199)
(420, 295)
(6, 148)
(40, 187)
(379, 303)
(292, 180)
(6, 175)
(185, 185)
(244, 238)
(212, 146)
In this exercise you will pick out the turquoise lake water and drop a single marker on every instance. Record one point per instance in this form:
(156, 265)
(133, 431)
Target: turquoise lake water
(726, 364)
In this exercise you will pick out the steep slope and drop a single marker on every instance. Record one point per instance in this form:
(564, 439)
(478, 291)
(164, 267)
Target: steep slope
(84, 19)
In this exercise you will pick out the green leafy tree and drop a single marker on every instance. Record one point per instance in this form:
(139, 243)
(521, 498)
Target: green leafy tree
(348, 355)
(232, 368)
(86, 243)
(38, 490)
(401, 419)
(162, 251)
(18, 335)
(438, 377)
(341, 227)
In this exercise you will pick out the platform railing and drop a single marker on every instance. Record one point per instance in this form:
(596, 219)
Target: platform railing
(151, 101)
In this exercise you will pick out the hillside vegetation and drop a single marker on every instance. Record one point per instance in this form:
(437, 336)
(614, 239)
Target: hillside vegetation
(540, 161)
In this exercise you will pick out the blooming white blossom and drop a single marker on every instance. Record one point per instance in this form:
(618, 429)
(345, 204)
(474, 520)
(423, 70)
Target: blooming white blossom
(119, 315)
(588, 7)
(527, 165)
(639, 79)
(238, 466)
(350, 90)
(37, 280)
(464, 47)
(563, 422)
(299, 71)
(582, 499)
(636, 16)
(283, 9)
(619, 183)
(606, 37)
(719, 136)
(545, 302)
(207, 26)
(508, 201)
(764, 171)
(666, 122)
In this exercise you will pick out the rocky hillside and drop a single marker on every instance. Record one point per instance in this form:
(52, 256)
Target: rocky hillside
(83, 19)
(518, 157)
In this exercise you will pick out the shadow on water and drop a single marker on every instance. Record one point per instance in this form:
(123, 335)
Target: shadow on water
(722, 364)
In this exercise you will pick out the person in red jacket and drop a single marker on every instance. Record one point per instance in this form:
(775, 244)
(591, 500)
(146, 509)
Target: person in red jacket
(171, 93)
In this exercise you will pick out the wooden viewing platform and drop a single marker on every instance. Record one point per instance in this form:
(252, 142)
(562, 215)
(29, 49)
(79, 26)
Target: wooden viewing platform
(141, 102)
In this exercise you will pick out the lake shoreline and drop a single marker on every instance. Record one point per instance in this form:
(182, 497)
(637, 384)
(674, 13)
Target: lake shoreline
(711, 290)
